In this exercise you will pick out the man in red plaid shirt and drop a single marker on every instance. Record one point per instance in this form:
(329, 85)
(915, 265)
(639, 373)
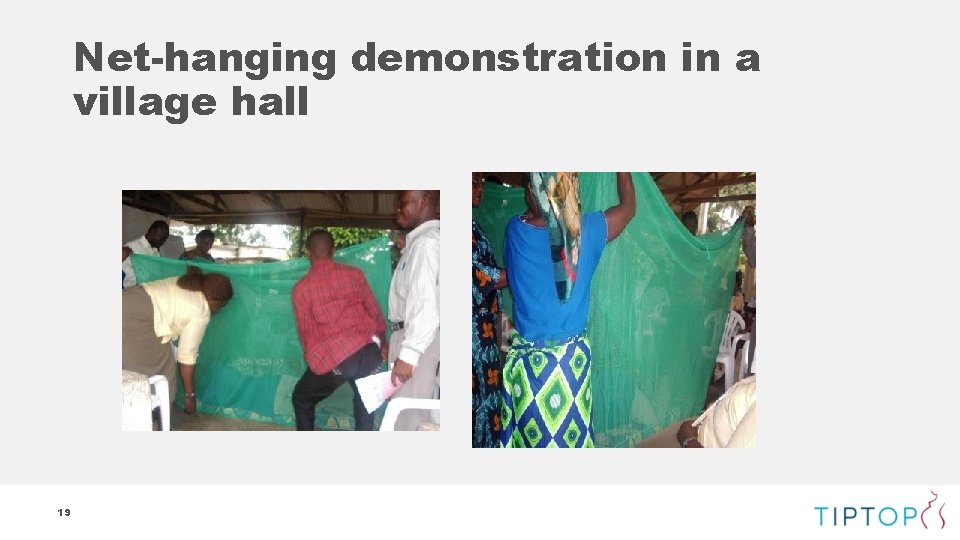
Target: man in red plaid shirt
(338, 319)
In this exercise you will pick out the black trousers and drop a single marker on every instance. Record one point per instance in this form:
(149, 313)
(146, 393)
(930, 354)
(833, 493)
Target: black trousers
(313, 388)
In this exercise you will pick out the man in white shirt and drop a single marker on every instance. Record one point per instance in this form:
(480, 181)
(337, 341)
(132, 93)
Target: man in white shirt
(148, 244)
(414, 310)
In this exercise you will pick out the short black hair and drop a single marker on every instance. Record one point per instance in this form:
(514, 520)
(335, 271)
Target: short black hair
(206, 233)
(159, 224)
(320, 238)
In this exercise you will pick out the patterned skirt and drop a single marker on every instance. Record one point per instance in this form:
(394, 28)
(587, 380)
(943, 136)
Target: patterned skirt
(486, 381)
(546, 397)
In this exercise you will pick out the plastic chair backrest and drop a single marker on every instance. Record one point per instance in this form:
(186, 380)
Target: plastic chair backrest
(745, 359)
(734, 326)
(161, 399)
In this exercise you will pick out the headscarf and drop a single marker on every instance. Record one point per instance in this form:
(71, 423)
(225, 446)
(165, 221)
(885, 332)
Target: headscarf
(558, 198)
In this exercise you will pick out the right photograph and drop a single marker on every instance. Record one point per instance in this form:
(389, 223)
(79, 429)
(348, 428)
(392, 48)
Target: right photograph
(614, 309)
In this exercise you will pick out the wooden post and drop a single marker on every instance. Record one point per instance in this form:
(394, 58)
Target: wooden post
(300, 249)
(702, 222)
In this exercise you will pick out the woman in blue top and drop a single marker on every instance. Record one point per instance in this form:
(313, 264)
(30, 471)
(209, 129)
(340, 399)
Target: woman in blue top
(552, 253)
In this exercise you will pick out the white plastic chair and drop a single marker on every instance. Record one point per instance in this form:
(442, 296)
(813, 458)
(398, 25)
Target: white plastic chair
(161, 399)
(745, 360)
(399, 404)
(728, 347)
(136, 402)
(435, 415)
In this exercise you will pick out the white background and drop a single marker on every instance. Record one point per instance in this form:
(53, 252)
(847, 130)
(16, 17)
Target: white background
(850, 125)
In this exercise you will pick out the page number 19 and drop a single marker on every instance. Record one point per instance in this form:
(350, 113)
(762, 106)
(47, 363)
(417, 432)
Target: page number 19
(64, 512)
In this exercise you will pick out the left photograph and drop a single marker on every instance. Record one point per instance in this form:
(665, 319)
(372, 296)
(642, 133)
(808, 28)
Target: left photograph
(281, 310)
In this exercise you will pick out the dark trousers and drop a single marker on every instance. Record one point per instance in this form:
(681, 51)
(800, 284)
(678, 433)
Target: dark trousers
(313, 388)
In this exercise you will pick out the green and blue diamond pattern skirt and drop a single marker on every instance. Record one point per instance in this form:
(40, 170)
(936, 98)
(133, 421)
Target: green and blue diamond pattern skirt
(546, 400)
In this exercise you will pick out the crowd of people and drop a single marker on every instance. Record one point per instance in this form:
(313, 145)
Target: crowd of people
(342, 331)
(538, 394)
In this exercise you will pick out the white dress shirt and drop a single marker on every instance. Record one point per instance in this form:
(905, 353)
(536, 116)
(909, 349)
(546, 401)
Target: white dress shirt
(142, 247)
(415, 291)
(179, 313)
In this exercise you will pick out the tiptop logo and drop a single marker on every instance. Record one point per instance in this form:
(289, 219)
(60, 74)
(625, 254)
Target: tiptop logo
(930, 515)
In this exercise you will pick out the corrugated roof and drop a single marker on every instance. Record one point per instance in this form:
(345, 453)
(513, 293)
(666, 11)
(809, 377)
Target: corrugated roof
(682, 190)
(360, 208)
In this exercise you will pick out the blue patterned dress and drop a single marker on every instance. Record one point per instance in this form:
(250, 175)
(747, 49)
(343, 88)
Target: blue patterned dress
(486, 351)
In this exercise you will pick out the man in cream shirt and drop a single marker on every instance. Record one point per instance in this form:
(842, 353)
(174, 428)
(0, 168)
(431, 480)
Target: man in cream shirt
(414, 310)
(731, 422)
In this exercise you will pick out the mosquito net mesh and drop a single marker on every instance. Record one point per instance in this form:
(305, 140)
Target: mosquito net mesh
(250, 358)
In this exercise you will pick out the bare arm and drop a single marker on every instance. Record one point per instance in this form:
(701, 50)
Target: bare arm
(618, 216)
(687, 433)
(189, 393)
(502, 282)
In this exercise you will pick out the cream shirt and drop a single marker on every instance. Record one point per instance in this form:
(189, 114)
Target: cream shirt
(415, 291)
(731, 422)
(142, 247)
(179, 313)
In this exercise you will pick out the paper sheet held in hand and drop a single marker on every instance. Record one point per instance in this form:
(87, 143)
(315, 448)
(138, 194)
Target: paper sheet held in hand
(375, 390)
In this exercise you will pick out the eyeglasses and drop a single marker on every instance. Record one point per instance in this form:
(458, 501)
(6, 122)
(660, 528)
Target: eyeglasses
(478, 181)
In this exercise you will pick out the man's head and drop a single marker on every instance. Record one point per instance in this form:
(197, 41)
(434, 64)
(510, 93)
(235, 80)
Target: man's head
(415, 207)
(319, 245)
(689, 220)
(216, 288)
(158, 233)
(749, 215)
(204, 241)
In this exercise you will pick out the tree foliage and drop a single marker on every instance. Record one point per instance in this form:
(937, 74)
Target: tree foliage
(722, 214)
(342, 237)
(243, 235)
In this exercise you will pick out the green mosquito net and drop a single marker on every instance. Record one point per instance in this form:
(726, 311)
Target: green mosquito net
(659, 302)
(250, 358)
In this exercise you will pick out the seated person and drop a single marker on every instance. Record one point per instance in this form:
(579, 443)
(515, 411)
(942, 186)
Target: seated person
(731, 422)
(201, 252)
(737, 302)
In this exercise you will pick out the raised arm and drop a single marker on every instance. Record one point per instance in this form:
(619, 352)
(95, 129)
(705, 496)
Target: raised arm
(618, 216)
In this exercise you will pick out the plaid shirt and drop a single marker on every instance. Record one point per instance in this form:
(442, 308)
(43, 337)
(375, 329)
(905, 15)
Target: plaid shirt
(336, 314)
